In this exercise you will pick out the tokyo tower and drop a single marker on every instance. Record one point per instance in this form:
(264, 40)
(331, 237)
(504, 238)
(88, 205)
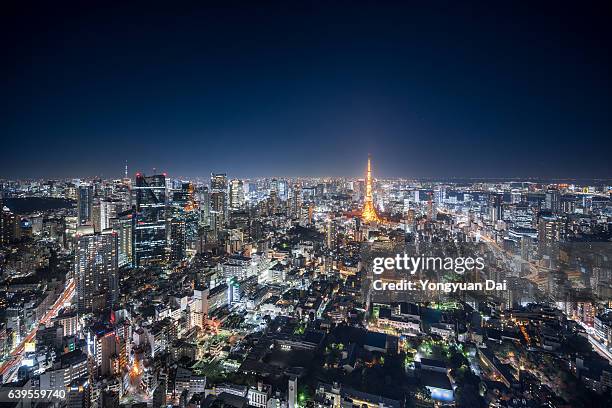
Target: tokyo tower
(369, 212)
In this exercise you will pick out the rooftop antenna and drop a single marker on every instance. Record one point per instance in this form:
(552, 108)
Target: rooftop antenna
(126, 170)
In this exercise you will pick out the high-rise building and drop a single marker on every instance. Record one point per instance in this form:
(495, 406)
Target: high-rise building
(236, 194)
(95, 216)
(331, 235)
(218, 198)
(10, 226)
(2, 223)
(296, 201)
(274, 185)
(218, 182)
(283, 189)
(85, 204)
(150, 228)
(124, 225)
(549, 232)
(109, 210)
(273, 202)
(410, 220)
(496, 209)
(177, 240)
(552, 201)
(217, 209)
(102, 345)
(204, 202)
(96, 264)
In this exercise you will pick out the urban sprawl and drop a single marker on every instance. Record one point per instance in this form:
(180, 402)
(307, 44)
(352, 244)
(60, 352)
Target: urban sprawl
(151, 290)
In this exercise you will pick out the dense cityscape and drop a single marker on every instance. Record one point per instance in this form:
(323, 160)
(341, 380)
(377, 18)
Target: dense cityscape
(306, 204)
(149, 290)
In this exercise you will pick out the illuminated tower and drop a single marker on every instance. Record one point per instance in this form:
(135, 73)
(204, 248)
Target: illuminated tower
(369, 212)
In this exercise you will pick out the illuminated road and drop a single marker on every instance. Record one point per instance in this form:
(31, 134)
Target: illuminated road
(534, 276)
(599, 348)
(17, 353)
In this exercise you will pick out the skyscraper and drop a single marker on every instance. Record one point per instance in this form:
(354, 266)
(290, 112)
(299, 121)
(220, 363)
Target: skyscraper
(10, 226)
(496, 208)
(150, 229)
(177, 239)
(283, 189)
(109, 210)
(549, 232)
(236, 194)
(85, 204)
(218, 182)
(296, 201)
(204, 206)
(552, 201)
(331, 235)
(218, 198)
(369, 212)
(124, 225)
(96, 264)
(2, 223)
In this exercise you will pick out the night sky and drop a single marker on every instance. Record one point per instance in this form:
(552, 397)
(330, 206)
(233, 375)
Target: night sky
(307, 88)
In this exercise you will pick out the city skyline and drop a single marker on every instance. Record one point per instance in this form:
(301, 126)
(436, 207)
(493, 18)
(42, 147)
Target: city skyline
(300, 91)
(306, 205)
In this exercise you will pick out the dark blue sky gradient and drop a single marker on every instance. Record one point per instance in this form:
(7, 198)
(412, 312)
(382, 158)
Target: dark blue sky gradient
(264, 88)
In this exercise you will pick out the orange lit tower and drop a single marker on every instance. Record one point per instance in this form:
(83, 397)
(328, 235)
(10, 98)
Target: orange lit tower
(369, 212)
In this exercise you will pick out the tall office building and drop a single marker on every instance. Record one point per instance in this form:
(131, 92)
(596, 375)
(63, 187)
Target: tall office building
(95, 216)
(10, 225)
(236, 194)
(296, 201)
(273, 202)
(410, 220)
(218, 182)
(85, 204)
(96, 264)
(183, 197)
(2, 222)
(204, 206)
(496, 209)
(217, 209)
(552, 201)
(331, 235)
(124, 225)
(150, 239)
(274, 185)
(178, 242)
(109, 210)
(218, 198)
(283, 190)
(550, 231)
